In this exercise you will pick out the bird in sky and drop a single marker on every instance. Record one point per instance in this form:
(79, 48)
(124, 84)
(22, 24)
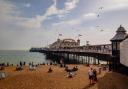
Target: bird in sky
(101, 8)
(97, 26)
(98, 15)
(101, 30)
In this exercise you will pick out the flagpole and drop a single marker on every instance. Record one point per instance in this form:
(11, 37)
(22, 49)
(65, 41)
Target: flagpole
(79, 35)
(59, 36)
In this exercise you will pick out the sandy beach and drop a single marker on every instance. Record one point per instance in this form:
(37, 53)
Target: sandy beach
(40, 79)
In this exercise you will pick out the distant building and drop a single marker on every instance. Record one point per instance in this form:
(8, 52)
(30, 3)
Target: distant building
(65, 43)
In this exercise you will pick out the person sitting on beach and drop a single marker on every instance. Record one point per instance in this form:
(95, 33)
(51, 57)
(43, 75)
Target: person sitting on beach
(67, 69)
(90, 73)
(55, 63)
(17, 67)
(75, 68)
(99, 70)
(64, 65)
(51, 63)
(61, 65)
(24, 63)
(2, 75)
(2, 67)
(95, 75)
(11, 64)
(50, 70)
(70, 75)
(31, 66)
(7, 64)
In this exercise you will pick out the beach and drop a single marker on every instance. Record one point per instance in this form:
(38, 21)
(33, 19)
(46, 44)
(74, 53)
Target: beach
(41, 79)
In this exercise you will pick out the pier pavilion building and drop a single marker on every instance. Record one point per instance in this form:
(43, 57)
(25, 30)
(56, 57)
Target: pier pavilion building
(65, 43)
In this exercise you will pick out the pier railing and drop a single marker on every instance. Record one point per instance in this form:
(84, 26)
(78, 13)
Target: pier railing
(102, 49)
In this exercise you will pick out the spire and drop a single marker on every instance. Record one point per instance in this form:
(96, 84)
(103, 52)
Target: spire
(78, 41)
(121, 29)
(120, 34)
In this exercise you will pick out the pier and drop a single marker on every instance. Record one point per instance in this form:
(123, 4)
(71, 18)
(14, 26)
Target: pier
(82, 54)
(72, 53)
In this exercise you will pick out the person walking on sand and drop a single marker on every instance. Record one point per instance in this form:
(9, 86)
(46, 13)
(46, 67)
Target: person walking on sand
(94, 75)
(90, 73)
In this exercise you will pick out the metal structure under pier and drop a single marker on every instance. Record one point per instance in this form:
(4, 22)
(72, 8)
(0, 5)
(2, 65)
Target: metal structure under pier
(83, 54)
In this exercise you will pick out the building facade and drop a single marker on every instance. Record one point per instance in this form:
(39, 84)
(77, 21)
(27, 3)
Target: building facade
(119, 37)
(65, 43)
(124, 52)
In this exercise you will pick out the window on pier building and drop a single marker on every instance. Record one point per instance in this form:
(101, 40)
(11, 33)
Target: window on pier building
(118, 45)
(114, 45)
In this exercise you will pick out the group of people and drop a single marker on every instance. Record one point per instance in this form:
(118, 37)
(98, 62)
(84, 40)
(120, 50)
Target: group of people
(92, 75)
(3, 65)
(20, 66)
(71, 72)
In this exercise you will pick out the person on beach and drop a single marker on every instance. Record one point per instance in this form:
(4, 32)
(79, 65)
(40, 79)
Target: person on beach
(20, 63)
(24, 63)
(50, 70)
(70, 74)
(75, 68)
(99, 70)
(7, 64)
(90, 73)
(94, 75)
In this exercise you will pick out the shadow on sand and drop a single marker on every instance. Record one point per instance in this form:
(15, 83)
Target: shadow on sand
(113, 81)
(88, 86)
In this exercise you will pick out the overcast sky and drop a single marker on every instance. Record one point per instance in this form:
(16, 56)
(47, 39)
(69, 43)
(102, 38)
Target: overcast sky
(36, 23)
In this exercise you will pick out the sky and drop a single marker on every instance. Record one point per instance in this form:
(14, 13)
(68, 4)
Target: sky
(37, 23)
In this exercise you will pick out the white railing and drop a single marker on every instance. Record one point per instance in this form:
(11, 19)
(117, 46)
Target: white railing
(93, 49)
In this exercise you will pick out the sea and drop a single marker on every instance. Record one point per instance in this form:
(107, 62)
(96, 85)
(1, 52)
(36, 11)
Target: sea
(15, 56)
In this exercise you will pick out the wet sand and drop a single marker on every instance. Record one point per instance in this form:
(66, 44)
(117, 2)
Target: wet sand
(40, 79)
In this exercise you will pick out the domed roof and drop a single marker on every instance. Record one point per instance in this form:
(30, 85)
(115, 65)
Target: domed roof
(68, 40)
(121, 29)
(120, 34)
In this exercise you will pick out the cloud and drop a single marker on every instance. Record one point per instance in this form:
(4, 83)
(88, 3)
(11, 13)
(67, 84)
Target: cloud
(71, 4)
(7, 10)
(108, 6)
(120, 6)
(114, 5)
(27, 5)
(15, 31)
(10, 14)
(14, 26)
(89, 16)
(72, 22)
(37, 21)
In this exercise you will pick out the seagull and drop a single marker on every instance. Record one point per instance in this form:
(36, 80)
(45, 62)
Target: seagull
(101, 8)
(98, 15)
(101, 30)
